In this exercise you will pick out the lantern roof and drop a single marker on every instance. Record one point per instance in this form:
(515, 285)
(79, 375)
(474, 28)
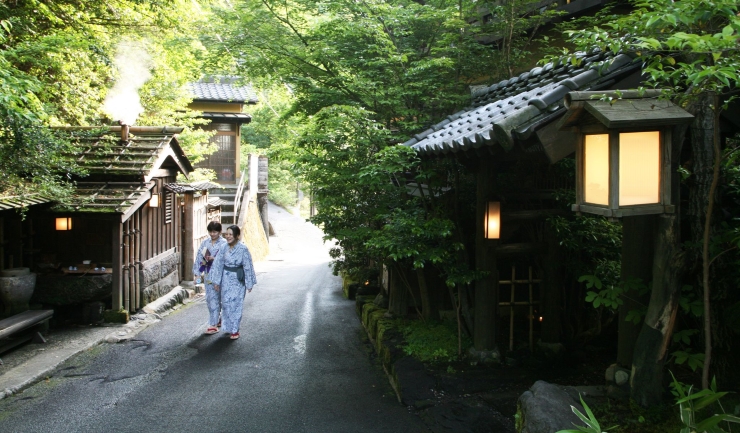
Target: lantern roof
(622, 109)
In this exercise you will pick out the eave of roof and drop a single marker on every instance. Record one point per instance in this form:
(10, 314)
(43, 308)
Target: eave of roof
(227, 117)
(512, 108)
(122, 198)
(17, 202)
(202, 185)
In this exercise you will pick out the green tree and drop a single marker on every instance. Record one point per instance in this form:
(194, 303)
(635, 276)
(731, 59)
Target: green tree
(57, 64)
(690, 48)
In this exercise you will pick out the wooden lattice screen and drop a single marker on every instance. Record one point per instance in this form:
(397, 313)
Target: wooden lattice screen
(531, 296)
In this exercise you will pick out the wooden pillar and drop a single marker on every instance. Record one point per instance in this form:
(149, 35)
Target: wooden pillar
(117, 245)
(552, 287)
(136, 259)
(188, 255)
(652, 343)
(486, 289)
(126, 270)
(638, 233)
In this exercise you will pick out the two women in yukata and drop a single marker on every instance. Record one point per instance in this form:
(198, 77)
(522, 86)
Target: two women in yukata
(228, 273)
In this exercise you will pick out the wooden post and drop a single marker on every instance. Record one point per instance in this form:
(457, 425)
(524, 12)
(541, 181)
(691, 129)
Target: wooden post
(126, 270)
(486, 289)
(638, 233)
(551, 292)
(136, 259)
(188, 255)
(652, 344)
(117, 245)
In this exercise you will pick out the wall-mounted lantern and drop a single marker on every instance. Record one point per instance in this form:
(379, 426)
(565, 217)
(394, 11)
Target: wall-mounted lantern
(623, 151)
(64, 224)
(492, 222)
(154, 200)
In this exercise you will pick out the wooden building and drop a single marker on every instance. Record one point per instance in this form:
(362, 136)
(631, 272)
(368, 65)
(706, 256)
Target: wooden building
(123, 227)
(221, 100)
(510, 132)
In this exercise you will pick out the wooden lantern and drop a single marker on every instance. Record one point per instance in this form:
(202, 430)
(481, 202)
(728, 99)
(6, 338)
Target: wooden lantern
(493, 220)
(623, 152)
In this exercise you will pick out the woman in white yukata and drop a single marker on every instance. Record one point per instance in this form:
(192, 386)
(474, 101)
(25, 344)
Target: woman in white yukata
(233, 274)
(210, 248)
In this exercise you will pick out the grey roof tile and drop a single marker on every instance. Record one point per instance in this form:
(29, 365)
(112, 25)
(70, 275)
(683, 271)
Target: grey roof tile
(223, 90)
(514, 105)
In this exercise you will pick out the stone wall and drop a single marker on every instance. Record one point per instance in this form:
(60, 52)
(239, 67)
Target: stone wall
(159, 275)
(253, 233)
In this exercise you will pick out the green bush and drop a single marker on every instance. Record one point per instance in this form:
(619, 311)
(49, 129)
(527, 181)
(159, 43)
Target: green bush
(431, 342)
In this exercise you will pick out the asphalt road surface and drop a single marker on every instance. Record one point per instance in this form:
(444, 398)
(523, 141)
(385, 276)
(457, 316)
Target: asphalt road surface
(300, 365)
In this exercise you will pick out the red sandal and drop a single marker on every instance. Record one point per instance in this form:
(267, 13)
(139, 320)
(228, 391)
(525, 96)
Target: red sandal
(211, 330)
(235, 336)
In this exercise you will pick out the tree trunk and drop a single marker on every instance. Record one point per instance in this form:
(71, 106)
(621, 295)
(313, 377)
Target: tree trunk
(652, 344)
(398, 297)
(637, 262)
(428, 305)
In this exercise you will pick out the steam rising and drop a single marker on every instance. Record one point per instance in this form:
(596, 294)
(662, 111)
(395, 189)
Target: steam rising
(132, 62)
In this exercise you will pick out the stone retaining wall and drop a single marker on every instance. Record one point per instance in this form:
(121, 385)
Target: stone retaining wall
(159, 275)
(407, 376)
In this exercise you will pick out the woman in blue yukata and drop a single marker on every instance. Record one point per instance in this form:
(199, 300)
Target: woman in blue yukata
(233, 274)
(210, 248)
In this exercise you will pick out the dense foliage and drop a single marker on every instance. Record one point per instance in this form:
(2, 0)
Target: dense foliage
(60, 60)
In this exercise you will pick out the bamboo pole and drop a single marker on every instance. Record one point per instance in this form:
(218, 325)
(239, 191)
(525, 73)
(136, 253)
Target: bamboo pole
(125, 263)
(136, 263)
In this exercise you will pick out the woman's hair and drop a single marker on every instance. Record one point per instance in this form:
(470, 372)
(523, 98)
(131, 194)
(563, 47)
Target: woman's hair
(235, 230)
(214, 226)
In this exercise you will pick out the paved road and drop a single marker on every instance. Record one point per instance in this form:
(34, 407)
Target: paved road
(300, 365)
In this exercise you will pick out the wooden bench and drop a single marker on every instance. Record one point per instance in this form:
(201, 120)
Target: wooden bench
(22, 327)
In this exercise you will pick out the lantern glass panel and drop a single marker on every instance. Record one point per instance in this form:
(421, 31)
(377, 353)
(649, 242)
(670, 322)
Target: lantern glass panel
(639, 168)
(493, 220)
(596, 169)
(63, 224)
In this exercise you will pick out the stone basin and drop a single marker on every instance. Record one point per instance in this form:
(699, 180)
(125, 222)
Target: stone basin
(16, 288)
(55, 289)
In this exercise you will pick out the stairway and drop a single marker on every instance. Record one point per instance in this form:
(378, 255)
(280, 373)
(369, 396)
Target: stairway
(228, 194)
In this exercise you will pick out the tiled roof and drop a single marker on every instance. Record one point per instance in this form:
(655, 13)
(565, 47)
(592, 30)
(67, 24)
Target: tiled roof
(110, 197)
(15, 202)
(511, 109)
(145, 150)
(222, 90)
(205, 184)
(215, 202)
(180, 188)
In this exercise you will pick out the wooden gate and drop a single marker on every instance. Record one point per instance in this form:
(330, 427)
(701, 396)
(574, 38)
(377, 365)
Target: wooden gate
(522, 295)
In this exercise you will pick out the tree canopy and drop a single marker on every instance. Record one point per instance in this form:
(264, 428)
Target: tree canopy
(58, 65)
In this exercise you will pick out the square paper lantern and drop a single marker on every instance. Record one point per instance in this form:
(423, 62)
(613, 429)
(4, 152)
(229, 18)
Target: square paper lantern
(623, 152)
